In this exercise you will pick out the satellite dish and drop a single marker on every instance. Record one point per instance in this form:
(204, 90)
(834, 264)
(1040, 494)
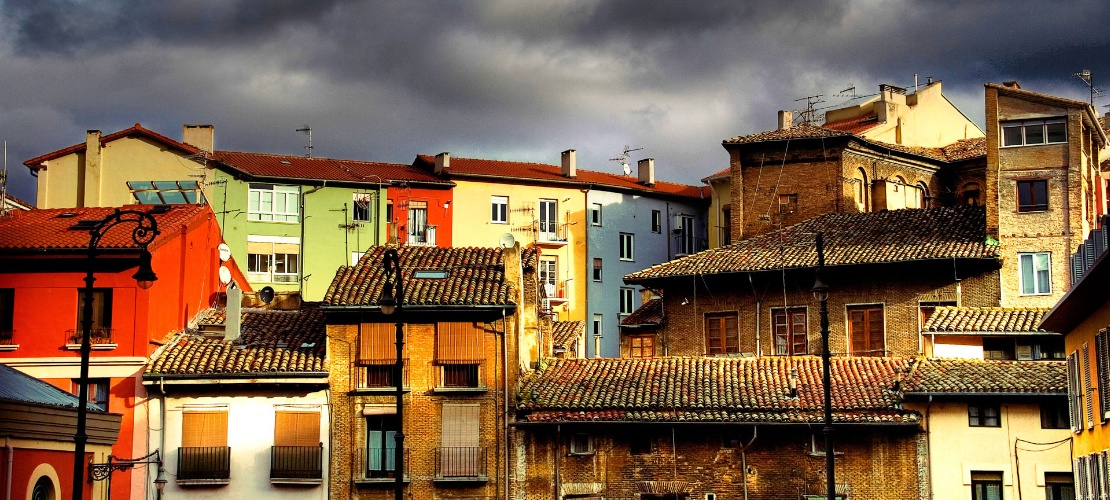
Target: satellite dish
(266, 294)
(507, 240)
(225, 252)
(627, 168)
(225, 275)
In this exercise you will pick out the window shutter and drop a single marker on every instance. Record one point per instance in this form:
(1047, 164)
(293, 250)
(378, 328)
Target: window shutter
(203, 429)
(1081, 484)
(377, 344)
(458, 343)
(1090, 404)
(732, 334)
(1102, 366)
(1075, 397)
(713, 333)
(297, 428)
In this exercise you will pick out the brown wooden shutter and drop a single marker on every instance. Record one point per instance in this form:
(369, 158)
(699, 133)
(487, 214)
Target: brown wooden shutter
(458, 343)
(713, 333)
(297, 428)
(460, 440)
(203, 429)
(732, 334)
(867, 331)
(377, 344)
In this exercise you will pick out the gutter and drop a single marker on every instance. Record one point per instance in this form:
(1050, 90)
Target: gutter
(730, 424)
(237, 378)
(628, 281)
(953, 395)
(419, 308)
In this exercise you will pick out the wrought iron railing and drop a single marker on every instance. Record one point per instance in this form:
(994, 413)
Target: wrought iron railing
(379, 374)
(297, 462)
(7, 337)
(460, 462)
(204, 462)
(552, 233)
(379, 463)
(459, 375)
(96, 336)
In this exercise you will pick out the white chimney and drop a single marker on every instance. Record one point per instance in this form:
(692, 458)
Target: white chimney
(786, 119)
(570, 167)
(93, 169)
(443, 162)
(233, 312)
(646, 170)
(199, 136)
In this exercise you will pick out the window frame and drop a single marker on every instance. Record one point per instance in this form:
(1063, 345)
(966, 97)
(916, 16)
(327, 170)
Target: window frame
(687, 240)
(595, 214)
(1054, 415)
(980, 483)
(1033, 189)
(1023, 126)
(788, 203)
(978, 415)
(726, 334)
(790, 342)
(657, 221)
(868, 310)
(638, 351)
(7, 312)
(387, 438)
(99, 394)
(361, 207)
(580, 443)
(1102, 370)
(257, 191)
(101, 305)
(597, 269)
(499, 209)
(627, 300)
(627, 244)
(598, 323)
(1039, 286)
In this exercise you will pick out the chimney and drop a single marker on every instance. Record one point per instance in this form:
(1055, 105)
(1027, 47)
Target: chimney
(199, 136)
(443, 162)
(786, 119)
(1012, 84)
(570, 167)
(233, 313)
(93, 168)
(646, 169)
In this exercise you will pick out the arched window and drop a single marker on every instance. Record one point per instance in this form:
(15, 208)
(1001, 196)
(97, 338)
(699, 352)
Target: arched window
(43, 490)
(970, 194)
(922, 194)
(861, 190)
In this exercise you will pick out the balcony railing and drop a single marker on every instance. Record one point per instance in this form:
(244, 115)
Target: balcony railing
(425, 236)
(7, 337)
(378, 375)
(204, 463)
(552, 233)
(461, 463)
(377, 463)
(97, 336)
(297, 462)
(459, 376)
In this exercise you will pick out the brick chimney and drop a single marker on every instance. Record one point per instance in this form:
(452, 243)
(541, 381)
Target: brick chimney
(1013, 84)
(570, 166)
(786, 119)
(199, 136)
(646, 171)
(443, 162)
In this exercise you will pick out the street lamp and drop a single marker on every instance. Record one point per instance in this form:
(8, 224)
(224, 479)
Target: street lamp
(100, 472)
(821, 293)
(145, 231)
(393, 298)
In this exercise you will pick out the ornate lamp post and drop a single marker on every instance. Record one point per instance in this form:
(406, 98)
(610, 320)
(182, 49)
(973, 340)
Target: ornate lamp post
(144, 233)
(393, 299)
(100, 472)
(821, 293)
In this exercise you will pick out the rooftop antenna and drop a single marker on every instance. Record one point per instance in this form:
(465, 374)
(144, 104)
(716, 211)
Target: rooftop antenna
(307, 130)
(623, 158)
(1085, 76)
(811, 110)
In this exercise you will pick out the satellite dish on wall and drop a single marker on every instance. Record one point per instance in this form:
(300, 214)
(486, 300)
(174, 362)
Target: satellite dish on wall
(225, 275)
(507, 240)
(266, 294)
(225, 252)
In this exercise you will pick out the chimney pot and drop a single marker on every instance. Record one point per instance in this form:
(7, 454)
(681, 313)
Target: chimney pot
(199, 136)
(646, 171)
(786, 119)
(570, 160)
(443, 162)
(1012, 84)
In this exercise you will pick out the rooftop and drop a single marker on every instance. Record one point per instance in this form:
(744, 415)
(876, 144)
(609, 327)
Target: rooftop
(648, 314)
(985, 320)
(58, 229)
(20, 387)
(310, 169)
(36, 163)
(567, 332)
(980, 377)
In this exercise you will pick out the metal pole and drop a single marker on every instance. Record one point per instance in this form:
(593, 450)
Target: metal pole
(392, 264)
(825, 355)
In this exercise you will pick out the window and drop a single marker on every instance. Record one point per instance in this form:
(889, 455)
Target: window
(1054, 415)
(297, 452)
(273, 203)
(726, 225)
(101, 316)
(548, 217)
(381, 445)
(970, 195)
(641, 346)
(627, 245)
(998, 349)
(656, 221)
(98, 392)
(1075, 395)
(204, 453)
(686, 234)
(461, 455)
(597, 268)
(1102, 360)
(721, 333)
(986, 485)
(1058, 486)
(417, 229)
(7, 315)
(788, 203)
(626, 300)
(866, 330)
(273, 259)
(1034, 274)
(360, 207)
(1087, 390)
(1032, 195)
(1032, 132)
(790, 331)
(597, 325)
(377, 356)
(1003, 348)
(548, 276)
(983, 415)
(861, 190)
(595, 214)
(581, 444)
(459, 353)
(499, 209)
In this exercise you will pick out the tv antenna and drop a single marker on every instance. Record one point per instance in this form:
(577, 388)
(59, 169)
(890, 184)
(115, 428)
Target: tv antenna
(307, 130)
(623, 159)
(1085, 76)
(811, 109)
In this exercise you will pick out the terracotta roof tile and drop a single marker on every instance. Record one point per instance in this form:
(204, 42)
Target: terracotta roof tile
(796, 132)
(271, 342)
(713, 390)
(866, 238)
(988, 320)
(957, 151)
(650, 313)
(137, 129)
(976, 376)
(567, 332)
(855, 125)
(305, 168)
(49, 229)
(966, 149)
(475, 277)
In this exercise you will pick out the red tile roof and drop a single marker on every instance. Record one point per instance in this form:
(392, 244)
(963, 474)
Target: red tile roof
(36, 162)
(49, 229)
(271, 343)
(957, 151)
(543, 173)
(566, 333)
(980, 377)
(855, 125)
(720, 174)
(305, 168)
(966, 149)
(796, 132)
(866, 238)
(648, 314)
(985, 320)
(713, 390)
(475, 277)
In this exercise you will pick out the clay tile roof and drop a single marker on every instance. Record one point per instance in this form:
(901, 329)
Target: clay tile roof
(957, 151)
(301, 167)
(650, 313)
(539, 172)
(137, 129)
(855, 125)
(985, 320)
(680, 389)
(977, 376)
(567, 332)
(49, 229)
(271, 342)
(796, 132)
(865, 238)
(475, 277)
(720, 174)
(966, 149)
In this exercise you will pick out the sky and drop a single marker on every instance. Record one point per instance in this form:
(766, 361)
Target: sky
(518, 80)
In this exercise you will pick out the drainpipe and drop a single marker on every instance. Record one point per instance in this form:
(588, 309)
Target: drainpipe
(744, 459)
(300, 247)
(9, 454)
(505, 395)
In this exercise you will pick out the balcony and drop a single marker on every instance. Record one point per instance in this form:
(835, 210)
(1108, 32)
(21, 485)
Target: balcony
(100, 339)
(422, 236)
(556, 295)
(459, 377)
(204, 465)
(377, 376)
(7, 340)
(461, 464)
(376, 466)
(552, 234)
(297, 464)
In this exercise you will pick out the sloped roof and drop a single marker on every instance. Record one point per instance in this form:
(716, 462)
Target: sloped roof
(20, 387)
(16, 203)
(856, 125)
(566, 333)
(720, 174)
(862, 238)
(983, 377)
(49, 229)
(305, 168)
(539, 173)
(36, 162)
(271, 343)
(681, 389)
(475, 277)
(650, 313)
(988, 320)
(963, 149)
(796, 132)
